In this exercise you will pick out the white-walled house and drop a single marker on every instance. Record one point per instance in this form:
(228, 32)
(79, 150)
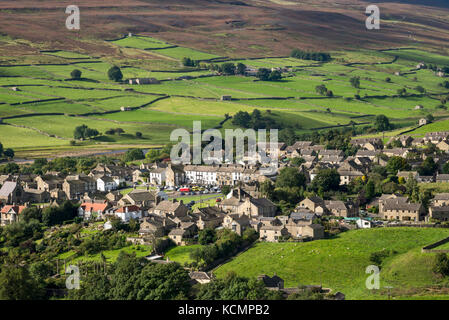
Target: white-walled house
(89, 210)
(157, 176)
(126, 213)
(106, 184)
(363, 224)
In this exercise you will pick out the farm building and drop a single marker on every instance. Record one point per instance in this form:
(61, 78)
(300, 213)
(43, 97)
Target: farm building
(141, 81)
(422, 121)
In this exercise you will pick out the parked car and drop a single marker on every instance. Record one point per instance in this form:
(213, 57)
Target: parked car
(218, 200)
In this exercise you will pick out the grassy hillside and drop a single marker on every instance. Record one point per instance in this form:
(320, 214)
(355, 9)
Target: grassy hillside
(340, 263)
(292, 101)
(241, 29)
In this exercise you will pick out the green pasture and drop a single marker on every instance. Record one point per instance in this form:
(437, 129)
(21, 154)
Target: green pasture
(156, 116)
(16, 138)
(64, 126)
(67, 54)
(181, 254)
(140, 42)
(340, 263)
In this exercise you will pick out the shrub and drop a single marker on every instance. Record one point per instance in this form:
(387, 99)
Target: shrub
(115, 74)
(441, 264)
(76, 74)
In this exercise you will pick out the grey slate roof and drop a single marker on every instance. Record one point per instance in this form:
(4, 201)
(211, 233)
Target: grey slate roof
(7, 188)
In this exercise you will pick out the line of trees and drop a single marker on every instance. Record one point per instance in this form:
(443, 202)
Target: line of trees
(229, 68)
(84, 132)
(267, 75)
(6, 153)
(307, 55)
(220, 244)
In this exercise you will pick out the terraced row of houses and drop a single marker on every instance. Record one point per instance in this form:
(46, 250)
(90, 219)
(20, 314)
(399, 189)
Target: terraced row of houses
(99, 196)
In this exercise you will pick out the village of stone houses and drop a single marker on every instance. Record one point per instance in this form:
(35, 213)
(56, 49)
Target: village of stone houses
(215, 221)
(345, 198)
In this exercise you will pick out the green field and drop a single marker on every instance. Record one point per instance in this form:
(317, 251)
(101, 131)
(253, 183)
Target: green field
(181, 254)
(110, 255)
(293, 100)
(67, 54)
(340, 263)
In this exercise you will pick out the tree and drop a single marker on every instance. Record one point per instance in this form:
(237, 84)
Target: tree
(94, 287)
(263, 74)
(225, 190)
(430, 118)
(446, 168)
(370, 190)
(396, 164)
(242, 119)
(41, 270)
(275, 75)
(290, 177)
(9, 153)
(445, 84)
(382, 123)
(83, 132)
(305, 55)
(139, 134)
(233, 287)
(228, 68)
(402, 92)
(76, 74)
(321, 89)
(162, 282)
(133, 154)
(115, 74)
(187, 62)
(355, 82)
(428, 167)
(57, 215)
(420, 89)
(119, 131)
(288, 136)
(241, 68)
(441, 264)
(30, 213)
(326, 180)
(207, 236)
(10, 167)
(16, 283)
(267, 189)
